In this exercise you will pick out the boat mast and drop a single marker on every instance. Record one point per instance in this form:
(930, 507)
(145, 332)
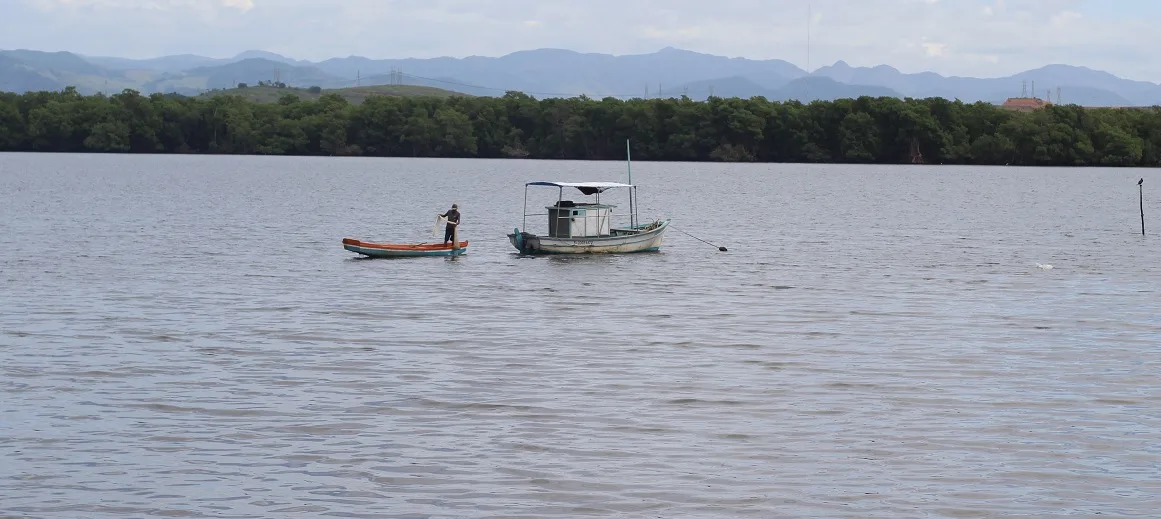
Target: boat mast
(525, 224)
(629, 168)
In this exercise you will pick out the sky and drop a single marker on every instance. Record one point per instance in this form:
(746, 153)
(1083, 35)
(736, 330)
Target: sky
(979, 38)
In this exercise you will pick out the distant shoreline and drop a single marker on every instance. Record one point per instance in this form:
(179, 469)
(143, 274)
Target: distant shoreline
(864, 131)
(550, 160)
(635, 160)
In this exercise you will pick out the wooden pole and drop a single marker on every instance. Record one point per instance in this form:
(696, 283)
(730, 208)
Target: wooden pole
(1141, 194)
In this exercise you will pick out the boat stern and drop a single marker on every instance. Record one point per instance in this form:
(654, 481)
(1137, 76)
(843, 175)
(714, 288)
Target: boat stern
(518, 241)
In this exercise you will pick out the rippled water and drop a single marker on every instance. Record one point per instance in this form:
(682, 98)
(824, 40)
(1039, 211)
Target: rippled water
(186, 337)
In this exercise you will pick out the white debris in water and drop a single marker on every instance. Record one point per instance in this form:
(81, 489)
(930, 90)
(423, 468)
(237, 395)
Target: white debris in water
(1045, 267)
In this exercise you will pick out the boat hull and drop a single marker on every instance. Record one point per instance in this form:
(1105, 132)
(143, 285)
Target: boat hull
(644, 241)
(399, 250)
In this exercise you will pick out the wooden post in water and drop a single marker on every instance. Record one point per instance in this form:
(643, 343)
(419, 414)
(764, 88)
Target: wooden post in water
(1141, 194)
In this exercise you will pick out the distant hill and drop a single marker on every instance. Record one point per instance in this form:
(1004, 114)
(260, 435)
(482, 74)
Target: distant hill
(35, 70)
(261, 54)
(734, 86)
(803, 89)
(164, 64)
(251, 70)
(1078, 85)
(557, 73)
(550, 72)
(820, 88)
(354, 95)
(17, 76)
(182, 62)
(56, 62)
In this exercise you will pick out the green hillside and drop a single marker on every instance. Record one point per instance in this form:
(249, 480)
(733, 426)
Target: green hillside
(353, 95)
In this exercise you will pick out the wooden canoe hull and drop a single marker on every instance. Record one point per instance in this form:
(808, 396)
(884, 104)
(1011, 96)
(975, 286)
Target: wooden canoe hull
(645, 241)
(403, 250)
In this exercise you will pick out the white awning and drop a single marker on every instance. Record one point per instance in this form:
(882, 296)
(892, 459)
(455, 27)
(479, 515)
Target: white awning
(584, 187)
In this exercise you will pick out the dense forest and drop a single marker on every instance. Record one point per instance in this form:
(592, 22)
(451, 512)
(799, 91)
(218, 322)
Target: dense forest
(864, 130)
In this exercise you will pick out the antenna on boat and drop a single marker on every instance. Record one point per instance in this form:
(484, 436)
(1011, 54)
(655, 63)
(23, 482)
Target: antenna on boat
(628, 162)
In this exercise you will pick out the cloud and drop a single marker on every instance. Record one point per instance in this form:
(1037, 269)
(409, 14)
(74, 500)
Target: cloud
(243, 5)
(153, 5)
(934, 50)
(951, 37)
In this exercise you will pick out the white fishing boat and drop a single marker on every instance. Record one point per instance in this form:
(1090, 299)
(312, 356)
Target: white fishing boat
(587, 228)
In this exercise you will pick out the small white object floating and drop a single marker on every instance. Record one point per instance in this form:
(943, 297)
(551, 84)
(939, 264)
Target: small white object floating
(1045, 267)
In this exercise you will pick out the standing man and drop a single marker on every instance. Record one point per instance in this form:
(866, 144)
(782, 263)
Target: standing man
(453, 219)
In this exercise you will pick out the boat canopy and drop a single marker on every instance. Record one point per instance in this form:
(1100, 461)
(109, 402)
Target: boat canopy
(587, 188)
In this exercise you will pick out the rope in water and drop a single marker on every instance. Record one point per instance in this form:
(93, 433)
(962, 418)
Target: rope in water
(723, 249)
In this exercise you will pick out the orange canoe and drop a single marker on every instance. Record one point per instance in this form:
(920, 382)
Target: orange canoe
(401, 250)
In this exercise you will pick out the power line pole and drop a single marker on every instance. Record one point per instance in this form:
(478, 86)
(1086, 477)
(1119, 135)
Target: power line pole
(809, 22)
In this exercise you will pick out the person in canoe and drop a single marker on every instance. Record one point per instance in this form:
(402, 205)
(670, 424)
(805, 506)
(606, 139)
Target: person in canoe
(453, 219)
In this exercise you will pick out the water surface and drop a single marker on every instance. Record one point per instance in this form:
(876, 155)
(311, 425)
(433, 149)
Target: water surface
(186, 337)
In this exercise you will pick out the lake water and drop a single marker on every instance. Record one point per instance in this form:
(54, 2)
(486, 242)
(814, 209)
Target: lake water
(186, 337)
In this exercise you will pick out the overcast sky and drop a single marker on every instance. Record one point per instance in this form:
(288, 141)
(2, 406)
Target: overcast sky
(983, 38)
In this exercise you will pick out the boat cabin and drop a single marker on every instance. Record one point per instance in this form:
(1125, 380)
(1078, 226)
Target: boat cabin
(567, 219)
(578, 220)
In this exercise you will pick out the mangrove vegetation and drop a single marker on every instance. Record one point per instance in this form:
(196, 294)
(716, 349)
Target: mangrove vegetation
(864, 130)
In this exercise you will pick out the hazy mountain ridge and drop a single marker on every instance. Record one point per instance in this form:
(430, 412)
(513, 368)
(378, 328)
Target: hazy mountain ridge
(555, 72)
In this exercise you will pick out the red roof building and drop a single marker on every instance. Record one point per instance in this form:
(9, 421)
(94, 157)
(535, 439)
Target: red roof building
(1024, 104)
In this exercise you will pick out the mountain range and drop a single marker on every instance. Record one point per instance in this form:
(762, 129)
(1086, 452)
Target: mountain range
(562, 73)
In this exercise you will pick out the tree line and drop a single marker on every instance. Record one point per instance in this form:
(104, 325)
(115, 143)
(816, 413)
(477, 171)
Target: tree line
(865, 130)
